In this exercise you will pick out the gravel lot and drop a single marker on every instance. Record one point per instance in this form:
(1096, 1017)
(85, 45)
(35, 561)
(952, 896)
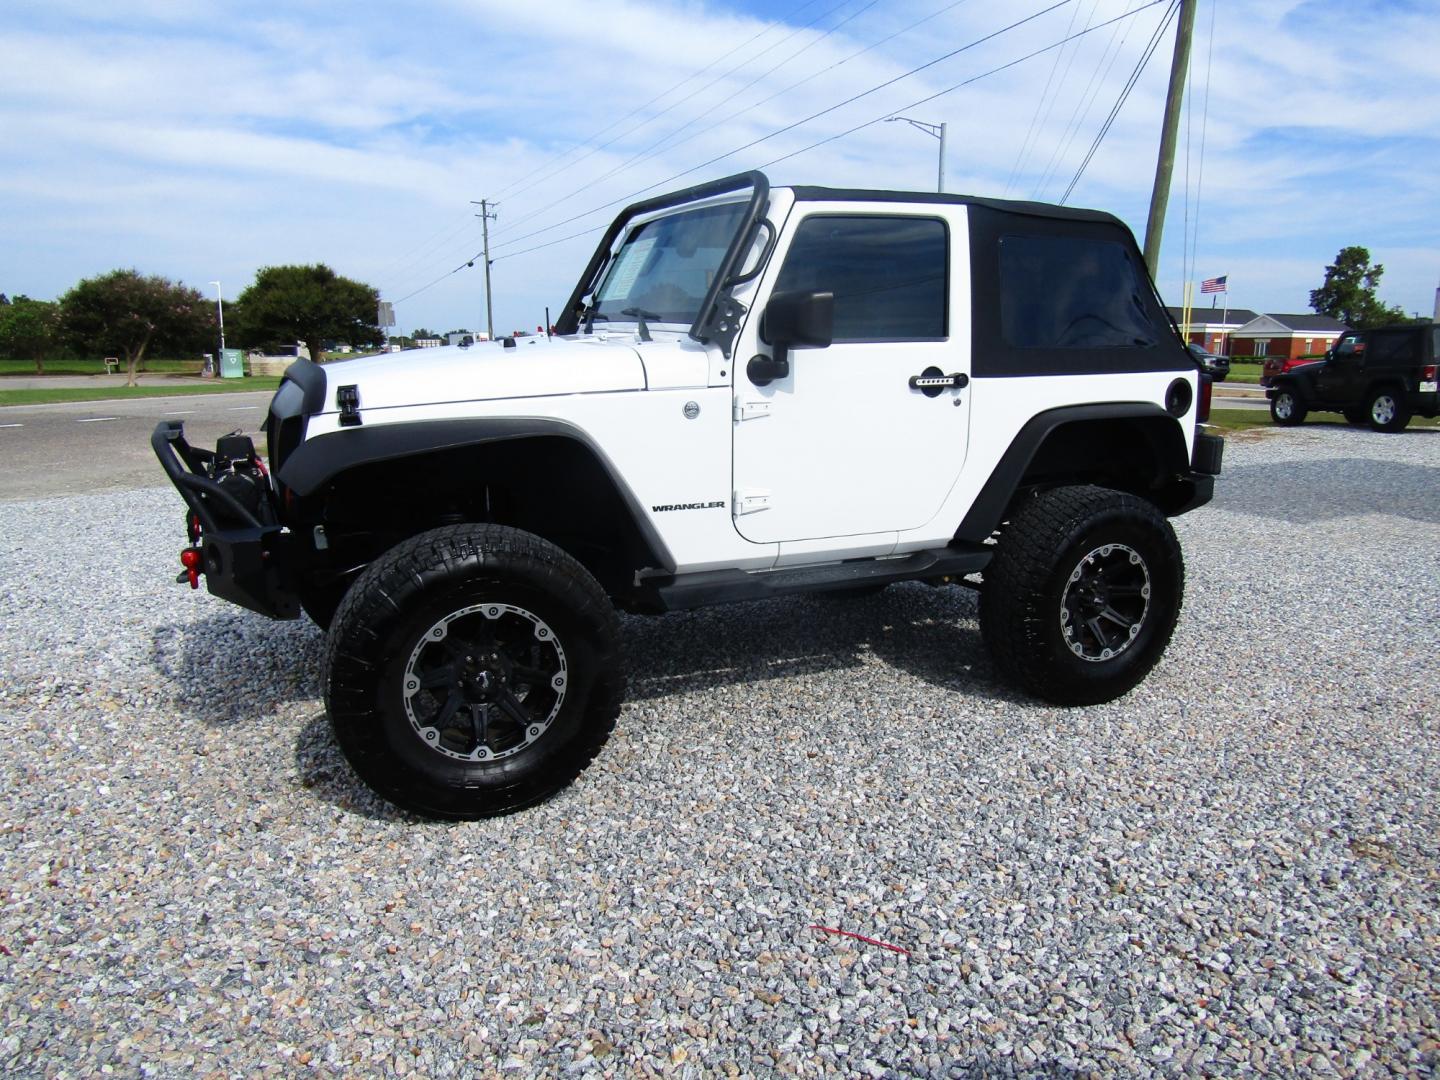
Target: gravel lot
(1234, 868)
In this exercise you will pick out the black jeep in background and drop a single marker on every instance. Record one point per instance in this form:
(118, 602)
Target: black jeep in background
(1381, 377)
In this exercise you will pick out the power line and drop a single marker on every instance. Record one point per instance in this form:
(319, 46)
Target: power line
(1069, 63)
(652, 152)
(434, 240)
(798, 123)
(1039, 105)
(878, 119)
(470, 261)
(959, 85)
(688, 97)
(641, 108)
(1078, 114)
(1124, 94)
(1204, 128)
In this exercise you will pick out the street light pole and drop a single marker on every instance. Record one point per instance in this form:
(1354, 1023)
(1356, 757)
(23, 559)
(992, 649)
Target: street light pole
(220, 312)
(936, 131)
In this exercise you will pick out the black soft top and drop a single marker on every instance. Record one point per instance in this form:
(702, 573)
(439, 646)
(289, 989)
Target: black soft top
(932, 198)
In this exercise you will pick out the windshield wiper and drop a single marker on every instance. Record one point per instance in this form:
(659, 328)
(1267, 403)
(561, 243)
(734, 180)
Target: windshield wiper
(640, 316)
(590, 316)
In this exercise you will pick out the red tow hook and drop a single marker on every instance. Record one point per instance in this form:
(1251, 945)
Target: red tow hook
(191, 559)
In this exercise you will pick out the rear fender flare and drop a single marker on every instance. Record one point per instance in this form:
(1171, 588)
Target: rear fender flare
(1161, 430)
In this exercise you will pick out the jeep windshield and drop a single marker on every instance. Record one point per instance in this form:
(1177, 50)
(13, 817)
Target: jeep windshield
(666, 265)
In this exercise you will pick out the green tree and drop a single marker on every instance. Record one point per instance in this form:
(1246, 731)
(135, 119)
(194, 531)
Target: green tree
(130, 313)
(28, 330)
(311, 304)
(1349, 292)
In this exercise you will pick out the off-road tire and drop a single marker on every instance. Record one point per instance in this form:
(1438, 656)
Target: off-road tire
(1057, 552)
(1285, 408)
(451, 599)
(1386, 410)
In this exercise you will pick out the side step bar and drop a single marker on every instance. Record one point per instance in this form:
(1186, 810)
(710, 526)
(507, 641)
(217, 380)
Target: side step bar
(686, 591)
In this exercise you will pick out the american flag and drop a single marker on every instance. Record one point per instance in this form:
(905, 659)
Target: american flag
(1214, 284)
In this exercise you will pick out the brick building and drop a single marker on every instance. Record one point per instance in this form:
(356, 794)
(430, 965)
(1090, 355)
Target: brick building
(1241, 332)
(1210, 328)
(1286, 335)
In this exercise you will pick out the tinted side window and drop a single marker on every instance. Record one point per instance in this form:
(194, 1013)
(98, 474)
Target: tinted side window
(1060, 292)
(1392, 348)
(888, 274)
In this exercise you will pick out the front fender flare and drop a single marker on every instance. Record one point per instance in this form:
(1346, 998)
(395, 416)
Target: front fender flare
(317, 461)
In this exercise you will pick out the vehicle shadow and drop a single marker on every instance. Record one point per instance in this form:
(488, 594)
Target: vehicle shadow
(234, 667)
(326, 774)
(926, 632)
(1286, 490)
(230, 667)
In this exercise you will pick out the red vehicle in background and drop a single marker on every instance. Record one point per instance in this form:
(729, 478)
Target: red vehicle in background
(1276, 366)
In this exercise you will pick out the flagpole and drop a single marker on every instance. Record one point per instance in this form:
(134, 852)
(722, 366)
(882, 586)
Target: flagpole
(1225, 318)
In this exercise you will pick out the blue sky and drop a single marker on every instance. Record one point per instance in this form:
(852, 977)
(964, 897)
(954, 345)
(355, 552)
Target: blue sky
(203, 140)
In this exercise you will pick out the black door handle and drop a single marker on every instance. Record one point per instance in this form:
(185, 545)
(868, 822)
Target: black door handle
(932, 381)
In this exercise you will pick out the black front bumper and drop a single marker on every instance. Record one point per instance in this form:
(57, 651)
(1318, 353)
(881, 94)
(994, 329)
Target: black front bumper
(245, 560)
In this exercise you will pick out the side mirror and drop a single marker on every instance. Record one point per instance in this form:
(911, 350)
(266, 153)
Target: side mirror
(791, 319)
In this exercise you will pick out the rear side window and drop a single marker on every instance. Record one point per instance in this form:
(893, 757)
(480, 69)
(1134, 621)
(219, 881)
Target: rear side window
(888, 274)
(1066, 292)
(1392, 348)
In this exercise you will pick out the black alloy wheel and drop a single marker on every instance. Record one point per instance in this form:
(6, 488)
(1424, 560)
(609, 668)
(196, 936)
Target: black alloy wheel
(1082, 595)
(472, 671)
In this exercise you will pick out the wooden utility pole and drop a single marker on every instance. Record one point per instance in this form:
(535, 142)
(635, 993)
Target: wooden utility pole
(1160, 196)
(486, 216)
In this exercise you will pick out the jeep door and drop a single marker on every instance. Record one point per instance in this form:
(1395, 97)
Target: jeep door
(1340, 379)
(843, 444)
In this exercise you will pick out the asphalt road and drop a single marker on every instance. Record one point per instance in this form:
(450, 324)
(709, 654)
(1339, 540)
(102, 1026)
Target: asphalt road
(105, 445)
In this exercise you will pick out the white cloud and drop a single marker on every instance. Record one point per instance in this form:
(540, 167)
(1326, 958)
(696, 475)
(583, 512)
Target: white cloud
(202, 141)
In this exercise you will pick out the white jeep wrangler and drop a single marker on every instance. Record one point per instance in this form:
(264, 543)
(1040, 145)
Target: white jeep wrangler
(752, 391)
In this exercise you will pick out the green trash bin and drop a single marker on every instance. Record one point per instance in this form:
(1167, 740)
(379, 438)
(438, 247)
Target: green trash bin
(232, 364)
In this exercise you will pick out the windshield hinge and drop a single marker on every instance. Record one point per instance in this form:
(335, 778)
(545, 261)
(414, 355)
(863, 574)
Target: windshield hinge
(749, 500)
(751, 410)
(723, 324)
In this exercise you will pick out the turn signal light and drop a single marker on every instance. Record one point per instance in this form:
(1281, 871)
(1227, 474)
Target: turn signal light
(1202, 410)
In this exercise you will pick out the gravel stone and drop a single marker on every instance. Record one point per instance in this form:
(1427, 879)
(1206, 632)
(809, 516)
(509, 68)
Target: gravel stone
(1232, 869)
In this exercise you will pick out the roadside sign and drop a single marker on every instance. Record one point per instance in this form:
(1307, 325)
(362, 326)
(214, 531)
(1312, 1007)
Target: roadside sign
(232, 363)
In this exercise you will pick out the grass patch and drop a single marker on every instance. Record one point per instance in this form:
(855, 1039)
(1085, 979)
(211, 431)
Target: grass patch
(1244, 373)
(1225, 421)
(118, 393)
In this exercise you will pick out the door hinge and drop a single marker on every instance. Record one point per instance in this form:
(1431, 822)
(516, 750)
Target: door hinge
(751, 410)
(750, 500)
